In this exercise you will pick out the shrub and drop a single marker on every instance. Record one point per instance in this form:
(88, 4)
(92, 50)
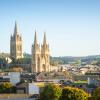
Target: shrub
(96, 94)
(69, 93)
(5, 87)
(51, 92)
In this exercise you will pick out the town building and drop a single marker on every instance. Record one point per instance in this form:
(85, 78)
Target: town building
(27, 88)
(12, 77)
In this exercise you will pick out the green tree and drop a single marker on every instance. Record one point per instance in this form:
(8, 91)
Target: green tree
(51, 92)
(5, 87)
(96, 94)
(70, 93)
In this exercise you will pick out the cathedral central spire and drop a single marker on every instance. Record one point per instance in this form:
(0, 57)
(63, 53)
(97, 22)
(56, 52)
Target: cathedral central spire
(16, 29)
(16, 44)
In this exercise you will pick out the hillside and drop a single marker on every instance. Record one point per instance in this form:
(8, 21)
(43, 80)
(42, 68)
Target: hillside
(63, 59)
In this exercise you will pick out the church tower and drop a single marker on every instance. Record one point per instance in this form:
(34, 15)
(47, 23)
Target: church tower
(36, 56)
(40, 56)
(45, 56)
(16, 44)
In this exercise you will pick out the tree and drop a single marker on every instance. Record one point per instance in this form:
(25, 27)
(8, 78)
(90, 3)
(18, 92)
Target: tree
(96, 94)
(51, 92)
(70, 93)
(5, 87)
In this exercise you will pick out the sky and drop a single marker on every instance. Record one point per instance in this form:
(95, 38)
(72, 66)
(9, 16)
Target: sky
(72, 26)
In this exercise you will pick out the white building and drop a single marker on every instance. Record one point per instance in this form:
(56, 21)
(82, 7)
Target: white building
(14, 77)
(27, 88)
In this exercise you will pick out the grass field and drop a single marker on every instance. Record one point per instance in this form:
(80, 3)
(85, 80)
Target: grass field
(40, 84)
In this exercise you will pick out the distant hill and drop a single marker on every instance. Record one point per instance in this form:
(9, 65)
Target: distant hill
(62, 59)
(70, 59)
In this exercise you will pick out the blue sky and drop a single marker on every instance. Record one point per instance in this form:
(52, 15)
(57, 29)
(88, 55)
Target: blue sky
(72, 26)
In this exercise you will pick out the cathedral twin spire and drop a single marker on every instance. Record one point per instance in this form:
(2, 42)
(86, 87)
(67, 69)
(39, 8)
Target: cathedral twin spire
(35, 38)
(44, 39)
(40, 56)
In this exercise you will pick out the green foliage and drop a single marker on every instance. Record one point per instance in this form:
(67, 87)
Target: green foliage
(91, 86)
(54, 92)
(96, 94)
(21, 61)
(69, 93)
(51, 92)
(5, 87)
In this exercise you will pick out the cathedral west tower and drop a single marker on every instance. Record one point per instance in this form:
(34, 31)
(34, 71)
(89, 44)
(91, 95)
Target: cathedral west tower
(40, 56)
(16, 44)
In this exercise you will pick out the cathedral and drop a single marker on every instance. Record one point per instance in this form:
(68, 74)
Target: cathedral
(16, 44)
(40, 56)
(40, 61)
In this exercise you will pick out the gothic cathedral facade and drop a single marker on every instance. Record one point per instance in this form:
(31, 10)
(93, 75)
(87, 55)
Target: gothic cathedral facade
(16, 44)
(40, 61)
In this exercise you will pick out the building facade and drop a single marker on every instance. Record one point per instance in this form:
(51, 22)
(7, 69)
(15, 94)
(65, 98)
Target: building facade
(40, 56)
(16, 44)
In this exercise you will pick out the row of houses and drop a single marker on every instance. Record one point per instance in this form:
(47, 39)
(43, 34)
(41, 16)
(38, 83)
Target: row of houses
(25, 87)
